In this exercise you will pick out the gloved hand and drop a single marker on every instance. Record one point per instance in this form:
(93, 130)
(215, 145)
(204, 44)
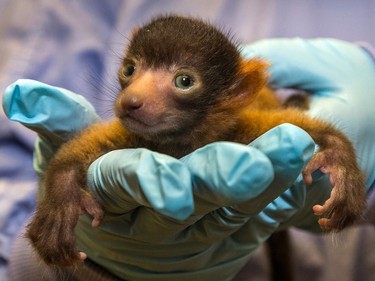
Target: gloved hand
(340, 77)
(142, 227)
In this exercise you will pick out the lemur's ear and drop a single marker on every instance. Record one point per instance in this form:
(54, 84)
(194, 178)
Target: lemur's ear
(251, 78)
(253, 75)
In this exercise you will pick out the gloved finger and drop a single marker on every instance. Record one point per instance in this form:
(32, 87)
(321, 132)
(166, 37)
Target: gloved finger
(56, 114)
(123, 180)
(225, 173)
(313, 65)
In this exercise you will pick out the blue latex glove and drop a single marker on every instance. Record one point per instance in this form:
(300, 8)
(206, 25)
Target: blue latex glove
(142, 229)
(341, 79)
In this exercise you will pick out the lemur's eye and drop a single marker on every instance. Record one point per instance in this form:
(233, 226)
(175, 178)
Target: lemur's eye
(184, 82)
(128, 70)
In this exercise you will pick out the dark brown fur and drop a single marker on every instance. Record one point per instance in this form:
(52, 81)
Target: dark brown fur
(228, 102)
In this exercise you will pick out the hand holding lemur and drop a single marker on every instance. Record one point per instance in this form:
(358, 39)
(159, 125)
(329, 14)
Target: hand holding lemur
(222, 174)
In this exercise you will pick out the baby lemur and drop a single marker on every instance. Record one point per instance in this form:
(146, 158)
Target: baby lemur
(183, 85)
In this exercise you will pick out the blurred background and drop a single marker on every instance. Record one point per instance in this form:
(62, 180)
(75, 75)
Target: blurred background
(78, 45)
